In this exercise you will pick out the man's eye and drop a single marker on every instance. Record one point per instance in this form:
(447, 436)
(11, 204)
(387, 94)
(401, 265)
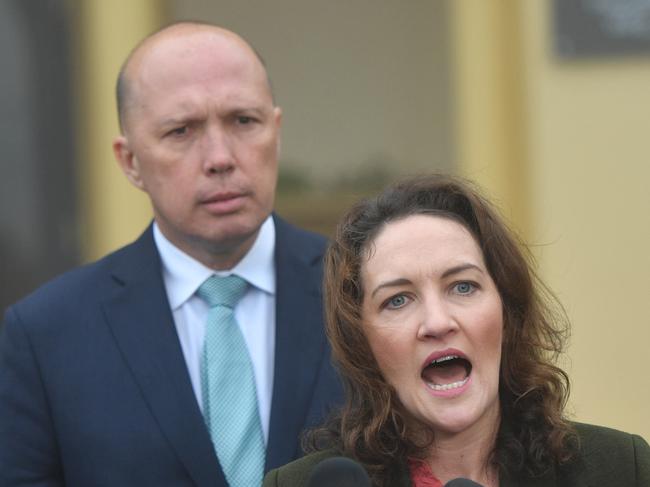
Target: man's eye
(243, 120)
(396, 301)
(178, 131)
(464, 287)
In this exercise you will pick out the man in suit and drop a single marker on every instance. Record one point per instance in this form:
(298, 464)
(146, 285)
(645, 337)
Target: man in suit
(101, 370)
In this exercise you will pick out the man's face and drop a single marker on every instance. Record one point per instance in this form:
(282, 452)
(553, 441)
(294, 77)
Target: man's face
(202, 139)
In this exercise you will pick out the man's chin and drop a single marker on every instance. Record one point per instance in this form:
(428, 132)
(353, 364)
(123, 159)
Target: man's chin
(219, 243)
(229, 245)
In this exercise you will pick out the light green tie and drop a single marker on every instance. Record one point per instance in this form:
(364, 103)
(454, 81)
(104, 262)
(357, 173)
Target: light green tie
(228, 384)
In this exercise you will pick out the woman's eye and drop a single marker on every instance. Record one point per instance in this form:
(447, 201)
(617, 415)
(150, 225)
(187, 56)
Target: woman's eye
(464, 287)
(396, 301)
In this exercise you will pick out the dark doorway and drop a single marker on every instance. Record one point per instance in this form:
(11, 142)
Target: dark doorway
(38, 217)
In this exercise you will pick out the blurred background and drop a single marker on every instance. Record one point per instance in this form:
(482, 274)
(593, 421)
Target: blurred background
(546, 104)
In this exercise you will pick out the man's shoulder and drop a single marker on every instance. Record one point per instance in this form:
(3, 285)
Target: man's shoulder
(298, 247)
(287, 233)
(75, 288)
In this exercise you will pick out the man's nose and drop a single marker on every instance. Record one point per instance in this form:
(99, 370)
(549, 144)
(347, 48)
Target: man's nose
(438, 319)
(217, 151)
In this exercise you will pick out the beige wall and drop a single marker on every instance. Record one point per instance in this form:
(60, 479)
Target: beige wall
(578, 161)
(487, 107)
(588, 152)
(113, 212)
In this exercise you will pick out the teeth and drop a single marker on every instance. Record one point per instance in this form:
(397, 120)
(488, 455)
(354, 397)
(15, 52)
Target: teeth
(444, 359)
(446, 387)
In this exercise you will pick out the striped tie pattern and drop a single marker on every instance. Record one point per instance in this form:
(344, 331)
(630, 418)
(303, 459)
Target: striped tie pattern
(228, 385)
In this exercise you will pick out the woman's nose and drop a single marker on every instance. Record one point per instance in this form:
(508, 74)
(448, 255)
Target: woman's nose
(438, 319)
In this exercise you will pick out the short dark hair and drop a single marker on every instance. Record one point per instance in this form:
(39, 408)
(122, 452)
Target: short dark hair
(373, 426)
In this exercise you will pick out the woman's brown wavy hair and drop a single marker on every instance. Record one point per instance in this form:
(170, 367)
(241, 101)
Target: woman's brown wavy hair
(373, 427)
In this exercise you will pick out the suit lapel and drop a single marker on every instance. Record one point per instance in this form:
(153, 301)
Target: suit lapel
(141, 321)
(299, 340)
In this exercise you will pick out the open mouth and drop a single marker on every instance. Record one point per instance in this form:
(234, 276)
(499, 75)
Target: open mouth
(448, 372)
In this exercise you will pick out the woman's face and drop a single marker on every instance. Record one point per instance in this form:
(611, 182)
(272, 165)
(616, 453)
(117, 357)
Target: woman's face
(433, 317)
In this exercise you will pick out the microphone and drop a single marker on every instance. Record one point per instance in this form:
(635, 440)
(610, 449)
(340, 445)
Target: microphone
(460, 482)
(338, 472)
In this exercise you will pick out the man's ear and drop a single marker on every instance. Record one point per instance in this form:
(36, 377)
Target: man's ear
(277, 120)
(127, 161)
(277, 117)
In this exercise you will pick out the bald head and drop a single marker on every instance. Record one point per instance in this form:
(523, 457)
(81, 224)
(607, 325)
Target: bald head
(201, 136)
(179, 37)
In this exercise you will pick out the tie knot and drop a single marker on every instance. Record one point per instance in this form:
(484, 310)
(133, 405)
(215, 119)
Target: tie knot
(222, 291)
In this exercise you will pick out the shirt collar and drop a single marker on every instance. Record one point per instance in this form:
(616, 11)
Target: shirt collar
(183, 274)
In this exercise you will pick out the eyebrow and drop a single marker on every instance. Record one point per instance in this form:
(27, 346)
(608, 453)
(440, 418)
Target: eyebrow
(395, 282)
(248, 108)
(449, 272)
(193, 116)
(460, 268)
(172, 121)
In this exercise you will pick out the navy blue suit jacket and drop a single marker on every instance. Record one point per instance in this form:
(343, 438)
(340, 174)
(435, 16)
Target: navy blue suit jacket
(94, 390)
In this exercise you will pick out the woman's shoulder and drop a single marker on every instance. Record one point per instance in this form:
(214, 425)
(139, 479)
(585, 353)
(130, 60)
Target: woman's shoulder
(613, 457)
(296, 473)
(595, 438)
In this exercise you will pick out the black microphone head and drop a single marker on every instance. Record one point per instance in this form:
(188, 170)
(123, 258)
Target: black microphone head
(459, 482)
(338, 472)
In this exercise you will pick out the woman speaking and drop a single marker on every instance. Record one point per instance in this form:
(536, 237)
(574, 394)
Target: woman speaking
(446, 342)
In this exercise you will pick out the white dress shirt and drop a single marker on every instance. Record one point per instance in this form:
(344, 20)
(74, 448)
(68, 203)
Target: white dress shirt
(255, 312)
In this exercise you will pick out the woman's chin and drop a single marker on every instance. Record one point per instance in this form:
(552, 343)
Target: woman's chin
(459, 419)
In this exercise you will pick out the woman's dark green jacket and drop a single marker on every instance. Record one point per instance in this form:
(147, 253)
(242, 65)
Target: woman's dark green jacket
(608, 458)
